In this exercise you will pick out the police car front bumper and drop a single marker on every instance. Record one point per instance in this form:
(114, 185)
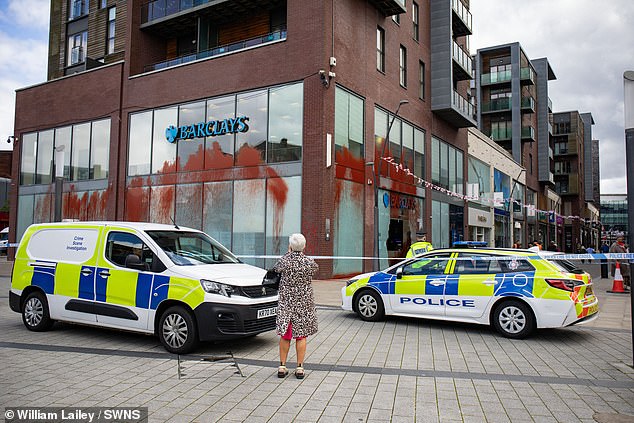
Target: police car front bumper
(227, 321)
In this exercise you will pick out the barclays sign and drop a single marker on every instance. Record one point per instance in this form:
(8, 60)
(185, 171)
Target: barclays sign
(212, 128)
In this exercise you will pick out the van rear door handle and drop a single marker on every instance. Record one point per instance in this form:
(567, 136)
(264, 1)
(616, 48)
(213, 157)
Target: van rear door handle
(437, 283)
(86, 272)
(104, 273)
(489, 282)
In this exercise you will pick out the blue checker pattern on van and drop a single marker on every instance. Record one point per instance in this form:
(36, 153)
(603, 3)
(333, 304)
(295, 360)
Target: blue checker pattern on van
(451, 286)
(143, 288)
(101, 285)
(514, 284)
(433, 289)
(384, 282)
(161, 286)
(44, 277)
(87, 283)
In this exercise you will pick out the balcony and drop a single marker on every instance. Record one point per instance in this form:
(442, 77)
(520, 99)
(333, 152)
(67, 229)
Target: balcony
(250, 43)
(527, 76)
(528, 133)
(501, 134)
(528, 104)
(463, 23)
(496, 105)
(495, 78)
(390, 7)
(550, 105)
(551, 154)
(463, 65)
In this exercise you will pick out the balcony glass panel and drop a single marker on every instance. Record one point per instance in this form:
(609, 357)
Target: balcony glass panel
(462, 12)
(528, 132)
(462, 57)
(498, 134)
(158, 9)
(528, 103)
(527, 73)
(462, 104)
(496, 77)
(497, 105)
(216, 51)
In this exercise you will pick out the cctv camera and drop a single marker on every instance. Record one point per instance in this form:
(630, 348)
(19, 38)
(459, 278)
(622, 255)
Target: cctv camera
(324, 78)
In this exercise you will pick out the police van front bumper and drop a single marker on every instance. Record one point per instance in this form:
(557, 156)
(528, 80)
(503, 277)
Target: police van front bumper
(14, 301)
(226, 321)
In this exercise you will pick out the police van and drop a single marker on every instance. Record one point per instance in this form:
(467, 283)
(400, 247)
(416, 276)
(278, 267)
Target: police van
(174, 282)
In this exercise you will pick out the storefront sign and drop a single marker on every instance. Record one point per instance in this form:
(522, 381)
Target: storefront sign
(212, 128)
(480, 218)
(397, 201)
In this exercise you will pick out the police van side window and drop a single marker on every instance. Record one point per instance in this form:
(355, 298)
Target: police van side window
(120, 245)
(428, 265)
(470, 263)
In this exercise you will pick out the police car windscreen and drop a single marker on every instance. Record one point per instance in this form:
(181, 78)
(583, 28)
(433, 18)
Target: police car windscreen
(192, 248)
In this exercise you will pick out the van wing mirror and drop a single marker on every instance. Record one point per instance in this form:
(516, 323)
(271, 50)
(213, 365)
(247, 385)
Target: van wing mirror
(132, 261)
(399, 272)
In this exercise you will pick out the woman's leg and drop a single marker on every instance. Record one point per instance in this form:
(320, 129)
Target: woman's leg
(285, 345)
(300, 345)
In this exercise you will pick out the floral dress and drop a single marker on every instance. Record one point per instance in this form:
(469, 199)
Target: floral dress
(296, 301)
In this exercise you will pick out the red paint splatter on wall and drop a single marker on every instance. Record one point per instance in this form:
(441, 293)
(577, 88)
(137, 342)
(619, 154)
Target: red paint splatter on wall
(215, 158)
(195, 161)
(344, 157)
(74, 204)
(162, 204)
(248, 156)
(97, 202)
(277, 192)
(137, 204)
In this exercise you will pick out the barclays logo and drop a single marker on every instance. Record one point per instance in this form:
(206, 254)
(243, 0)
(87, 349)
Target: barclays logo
(386, 199)
(212, 128)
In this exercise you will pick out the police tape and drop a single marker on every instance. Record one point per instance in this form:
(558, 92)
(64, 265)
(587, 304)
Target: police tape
(545, 255)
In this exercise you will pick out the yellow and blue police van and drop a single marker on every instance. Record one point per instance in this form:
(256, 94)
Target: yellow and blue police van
(177, 283)
(515, 291)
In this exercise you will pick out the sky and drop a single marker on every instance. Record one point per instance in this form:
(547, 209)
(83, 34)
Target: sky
(589, 44)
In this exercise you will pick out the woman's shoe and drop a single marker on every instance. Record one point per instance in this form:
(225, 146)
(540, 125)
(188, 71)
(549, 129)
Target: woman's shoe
(299, 372)
(282, 371)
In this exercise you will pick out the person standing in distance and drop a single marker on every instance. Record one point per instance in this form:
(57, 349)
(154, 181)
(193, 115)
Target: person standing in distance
(296, 313)
(420, 246)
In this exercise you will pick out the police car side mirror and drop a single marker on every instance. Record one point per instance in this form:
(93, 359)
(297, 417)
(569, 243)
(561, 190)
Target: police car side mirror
(132, 261)
(399, 273)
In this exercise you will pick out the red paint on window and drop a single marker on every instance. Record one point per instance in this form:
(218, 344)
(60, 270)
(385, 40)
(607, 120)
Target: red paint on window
(215, 158)
(277, 192)
(137, 201)
(344, 157)
(248, 156)
(195, 160)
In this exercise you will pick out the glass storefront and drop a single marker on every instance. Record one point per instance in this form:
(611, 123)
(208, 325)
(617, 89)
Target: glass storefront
(400, 217)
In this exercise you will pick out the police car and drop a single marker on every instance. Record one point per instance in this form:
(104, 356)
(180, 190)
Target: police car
(516, 291)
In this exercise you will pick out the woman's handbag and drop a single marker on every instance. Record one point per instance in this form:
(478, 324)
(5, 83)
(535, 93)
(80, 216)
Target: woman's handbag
(271, 279)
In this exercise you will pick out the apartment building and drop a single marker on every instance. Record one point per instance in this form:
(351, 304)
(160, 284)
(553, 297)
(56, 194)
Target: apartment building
(252, 120)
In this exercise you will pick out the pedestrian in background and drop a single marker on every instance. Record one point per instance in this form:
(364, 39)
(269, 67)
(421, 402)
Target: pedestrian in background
(296, 313)
(605, 248)
(618, 247)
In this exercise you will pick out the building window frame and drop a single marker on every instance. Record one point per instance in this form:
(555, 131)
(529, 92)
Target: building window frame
(77, 44)
(380, 49)
(402, 65)
(421, 80)
(77, 9)
(415, 22)
(111, 29)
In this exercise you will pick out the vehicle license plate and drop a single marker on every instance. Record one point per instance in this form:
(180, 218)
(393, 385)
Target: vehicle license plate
(267, 312)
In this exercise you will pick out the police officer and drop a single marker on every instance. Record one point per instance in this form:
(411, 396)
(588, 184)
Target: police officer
(420, 246)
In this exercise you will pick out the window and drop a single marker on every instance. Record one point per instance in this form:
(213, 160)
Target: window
(446, 166)
(348, 128)
(428, 265)
(421, 80)
(380, 49)
(77, 48)
(561, 147)
(44, 162)
(285, 123)
(112, 13)
(80, 159)
(396, 19)
(479, 177)
(530, 162)
(120, 245)
(562, 168)
(77, 9)
(415, 21)
(403, 67)
(103, 4)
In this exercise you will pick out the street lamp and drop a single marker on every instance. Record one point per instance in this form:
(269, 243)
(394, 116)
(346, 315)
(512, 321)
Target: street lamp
(376, 177)
(59, 181)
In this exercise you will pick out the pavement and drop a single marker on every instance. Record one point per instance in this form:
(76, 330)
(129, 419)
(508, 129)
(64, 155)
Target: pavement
(398, 370)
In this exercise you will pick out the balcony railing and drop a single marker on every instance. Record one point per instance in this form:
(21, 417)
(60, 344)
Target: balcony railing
(463, 13)
(527, 75)
(550, 105)
(462, 58)
(501, 134)
(495, 77)
(220, 50)
(528, 133)
(497, 105)
(158, 9)
(462, 104)
(528, 103)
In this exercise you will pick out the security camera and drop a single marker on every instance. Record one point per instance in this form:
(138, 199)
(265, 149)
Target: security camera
(324, 77)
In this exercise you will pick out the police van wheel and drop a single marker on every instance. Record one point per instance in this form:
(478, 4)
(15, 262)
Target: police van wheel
(177, 330)
(369, 306)
(513, 319)
(35, 312)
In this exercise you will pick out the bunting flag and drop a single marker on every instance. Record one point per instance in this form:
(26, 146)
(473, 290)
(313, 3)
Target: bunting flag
(529, 207)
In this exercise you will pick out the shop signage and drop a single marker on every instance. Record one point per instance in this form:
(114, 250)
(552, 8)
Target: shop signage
(480, 218)
(212, 128)
(396, 201)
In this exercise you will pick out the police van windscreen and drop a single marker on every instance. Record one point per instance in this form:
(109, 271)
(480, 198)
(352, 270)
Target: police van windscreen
(192, 248)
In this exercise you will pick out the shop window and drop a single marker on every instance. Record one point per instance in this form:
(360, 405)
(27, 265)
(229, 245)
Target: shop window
(348, 227)
(419, 153)
(100, 150)
(408, 146)
(283, 214)
(447, 166)
(217, 211)
(189, 205)
(251, 145)
(248, 219)
(44, 161)
(25, 214)
(162, 204)
(163, 152)
(501, 183)
(190, 154)
(348, 129)
(395, 140)
(479, 177)
(27, 167)
(80, 158)
(140, 143)
(285, 123)
(63, 139)
(219, 148)
(380, 133)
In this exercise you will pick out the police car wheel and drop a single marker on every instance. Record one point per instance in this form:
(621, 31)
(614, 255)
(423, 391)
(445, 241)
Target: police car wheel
(177, 330)
(35, 312)
(369, 306)
(513, 319)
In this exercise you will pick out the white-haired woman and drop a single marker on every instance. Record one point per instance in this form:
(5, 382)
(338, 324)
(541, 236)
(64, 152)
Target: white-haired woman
(296, 314)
